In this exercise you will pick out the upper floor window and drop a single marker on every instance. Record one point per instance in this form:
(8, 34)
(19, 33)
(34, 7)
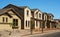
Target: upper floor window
(27, 12)
(50, 17)
(5, 19)
(36, 14)
(39, 15)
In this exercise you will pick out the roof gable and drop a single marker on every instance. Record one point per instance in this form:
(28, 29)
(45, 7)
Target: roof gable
(19, 10)
(3, 11)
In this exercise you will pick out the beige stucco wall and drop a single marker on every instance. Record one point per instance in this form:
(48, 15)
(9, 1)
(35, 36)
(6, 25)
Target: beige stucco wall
(45, 15)
(10, 20)
(27, 18)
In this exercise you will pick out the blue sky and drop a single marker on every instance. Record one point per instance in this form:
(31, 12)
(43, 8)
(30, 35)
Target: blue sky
(49, 6)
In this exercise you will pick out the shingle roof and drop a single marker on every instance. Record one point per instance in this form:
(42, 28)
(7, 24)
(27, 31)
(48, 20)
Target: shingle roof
(50, 14)
(19, 9)
(5, 10)
(33, 9)
(44, 12)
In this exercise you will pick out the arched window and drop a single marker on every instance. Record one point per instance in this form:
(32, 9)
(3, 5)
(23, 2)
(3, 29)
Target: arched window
(39, 15)
(27, 12)
(26, 23)
(36, 14)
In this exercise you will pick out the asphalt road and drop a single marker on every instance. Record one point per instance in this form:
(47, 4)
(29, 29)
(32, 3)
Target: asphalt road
(57, 34)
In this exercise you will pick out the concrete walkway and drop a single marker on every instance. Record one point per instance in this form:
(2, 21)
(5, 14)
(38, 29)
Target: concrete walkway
(40, 33)
(25, 33)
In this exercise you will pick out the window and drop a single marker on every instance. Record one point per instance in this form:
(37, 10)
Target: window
(50, 17)
(26, 23)
(15, 22)
(40, 15)
(40, 25)
(36, 14)
(3, 19)
(6, 19)
(27, 12)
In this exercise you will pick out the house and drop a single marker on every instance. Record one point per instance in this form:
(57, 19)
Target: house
(9, 19)
(50, 21)
(44, 17)
(23, 12)
(37, 18)
(57, 23)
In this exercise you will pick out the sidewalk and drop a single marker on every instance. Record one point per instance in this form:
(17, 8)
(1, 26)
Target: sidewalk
(26, 33)
(40, 33)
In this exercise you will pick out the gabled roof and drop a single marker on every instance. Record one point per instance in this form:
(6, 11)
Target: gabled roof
(33, 10)
(5, 10)
(18, 9)
(50, 14)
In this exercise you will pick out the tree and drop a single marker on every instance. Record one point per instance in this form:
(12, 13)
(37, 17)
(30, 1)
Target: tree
(32, 27)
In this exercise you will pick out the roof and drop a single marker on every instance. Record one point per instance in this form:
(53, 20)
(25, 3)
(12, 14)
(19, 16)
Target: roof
(44, 12)
(19, 9)
(33, 10)
(5, 10)
(57, 19)
(23, 7)
(50, 14)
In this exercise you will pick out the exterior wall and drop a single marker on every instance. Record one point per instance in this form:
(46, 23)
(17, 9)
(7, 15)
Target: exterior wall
(58, 24)
(10, 20)
(45, 20)
(27, 18)
(45, 16)
(5, 26)
(36, 16)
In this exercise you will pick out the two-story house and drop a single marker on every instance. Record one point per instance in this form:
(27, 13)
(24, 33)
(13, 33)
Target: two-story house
(50, 21)
(44, 17)
(37, 16)
(22, 11)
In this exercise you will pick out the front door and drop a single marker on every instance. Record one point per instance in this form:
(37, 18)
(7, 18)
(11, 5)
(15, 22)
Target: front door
(15, 24)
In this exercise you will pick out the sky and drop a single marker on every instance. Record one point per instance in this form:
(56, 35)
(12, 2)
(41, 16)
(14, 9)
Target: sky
(49, 6)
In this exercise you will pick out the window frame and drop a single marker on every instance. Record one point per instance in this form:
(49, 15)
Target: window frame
(27, 12)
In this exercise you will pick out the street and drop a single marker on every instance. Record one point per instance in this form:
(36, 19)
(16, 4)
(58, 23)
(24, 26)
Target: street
(57, 34)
